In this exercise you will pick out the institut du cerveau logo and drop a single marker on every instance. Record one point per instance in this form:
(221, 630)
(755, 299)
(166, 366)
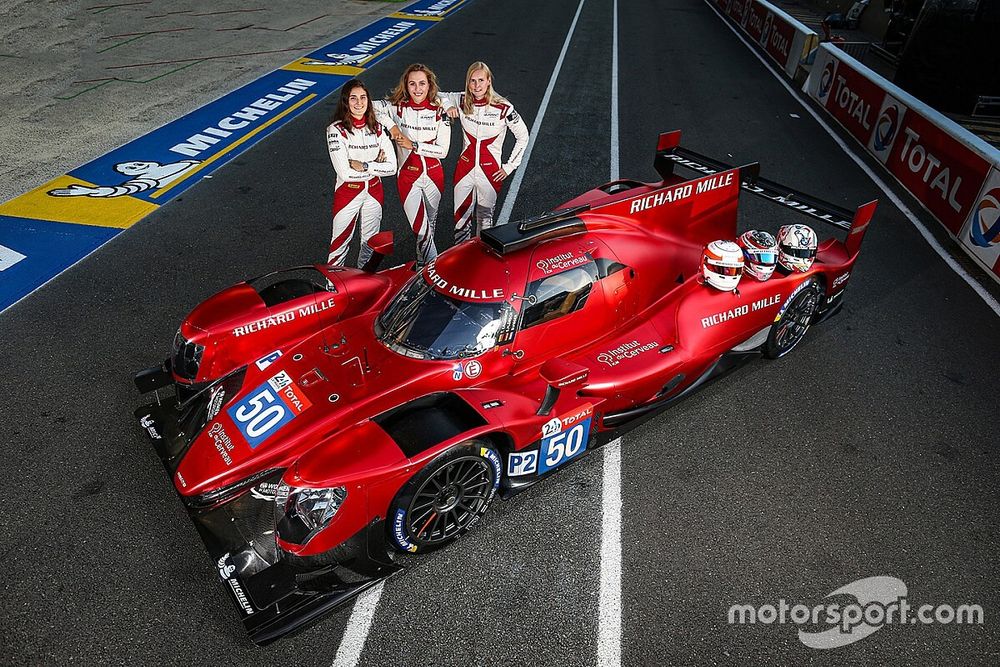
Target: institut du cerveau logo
(985, 229)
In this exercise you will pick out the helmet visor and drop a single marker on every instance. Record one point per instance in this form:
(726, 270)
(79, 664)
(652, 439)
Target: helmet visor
(766, 257)
(801, 253)
(725, 270)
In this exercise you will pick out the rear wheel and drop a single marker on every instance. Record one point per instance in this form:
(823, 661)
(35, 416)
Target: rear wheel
(445, 499)
(793, 321)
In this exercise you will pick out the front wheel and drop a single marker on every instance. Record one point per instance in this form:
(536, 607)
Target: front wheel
(445, 499)
(793, 320)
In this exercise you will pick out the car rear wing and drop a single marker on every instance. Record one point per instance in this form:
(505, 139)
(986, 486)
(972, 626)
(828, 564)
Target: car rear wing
(669, 154)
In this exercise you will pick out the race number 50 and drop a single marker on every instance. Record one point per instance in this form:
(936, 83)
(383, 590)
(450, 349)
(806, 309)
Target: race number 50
(563, 446)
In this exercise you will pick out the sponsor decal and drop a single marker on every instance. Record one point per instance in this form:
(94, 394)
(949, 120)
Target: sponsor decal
(142, 175)
(885, 127)
(226, 569)
(564, 438)
(562, 261)
(399, 532)
(223, 443)
(268, 359)
(268, 407)
(473, 369)
(241, 597)
(216, 398)
(929, 167)
(841, 279)
(522, 463)
(150, 426)
(624, 351)
(457, 372)
(489, 405)
(985, 229)
(265, 491)
(283, 318)
(494, 459)
(363, 51)
(826, 79)
(239, 121)
(435, 279)
(789, 300)
(670, 195)
(180, 478)
(739, 311)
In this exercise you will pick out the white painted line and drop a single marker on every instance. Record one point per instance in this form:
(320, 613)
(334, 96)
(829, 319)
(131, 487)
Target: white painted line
(9, 257)
(508, 202)
(609, 620)
(356, 632)
(614, 94)
(903, 208)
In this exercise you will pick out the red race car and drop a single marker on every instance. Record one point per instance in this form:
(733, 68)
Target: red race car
(323, 416)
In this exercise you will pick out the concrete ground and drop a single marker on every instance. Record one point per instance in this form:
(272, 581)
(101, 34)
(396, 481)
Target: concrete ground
(81, 78)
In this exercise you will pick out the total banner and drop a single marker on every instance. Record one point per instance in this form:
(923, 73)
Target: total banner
(945, 167)
(786, 41)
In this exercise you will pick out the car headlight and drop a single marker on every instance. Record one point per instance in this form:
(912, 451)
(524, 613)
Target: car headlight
(305, 511)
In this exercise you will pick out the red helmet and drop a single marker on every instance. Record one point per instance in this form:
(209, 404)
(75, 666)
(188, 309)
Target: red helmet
(722, 265)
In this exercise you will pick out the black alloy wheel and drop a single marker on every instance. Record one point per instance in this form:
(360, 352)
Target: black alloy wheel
(793, 323)
(445, 499)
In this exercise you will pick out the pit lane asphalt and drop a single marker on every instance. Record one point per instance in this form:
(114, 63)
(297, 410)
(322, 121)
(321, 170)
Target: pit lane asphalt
(869, 451)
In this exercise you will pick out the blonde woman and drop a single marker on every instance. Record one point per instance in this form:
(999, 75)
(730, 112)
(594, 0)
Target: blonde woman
(479, 174)
(422, 134)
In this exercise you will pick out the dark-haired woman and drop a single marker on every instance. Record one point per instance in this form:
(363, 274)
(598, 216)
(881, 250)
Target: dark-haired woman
(361, 153)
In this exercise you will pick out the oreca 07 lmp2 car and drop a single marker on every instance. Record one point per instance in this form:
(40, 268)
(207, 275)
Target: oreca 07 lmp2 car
(319, 419)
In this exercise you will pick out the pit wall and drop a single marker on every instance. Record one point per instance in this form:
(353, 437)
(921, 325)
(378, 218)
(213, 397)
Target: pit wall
(954, 174)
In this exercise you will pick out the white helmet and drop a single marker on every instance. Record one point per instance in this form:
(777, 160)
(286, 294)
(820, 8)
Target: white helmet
(796, 247)
(760, 251)
(722, 265)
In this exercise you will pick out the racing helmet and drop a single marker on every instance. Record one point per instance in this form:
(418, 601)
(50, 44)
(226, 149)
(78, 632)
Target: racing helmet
(760, 253)
(796, 247)
(722, 265)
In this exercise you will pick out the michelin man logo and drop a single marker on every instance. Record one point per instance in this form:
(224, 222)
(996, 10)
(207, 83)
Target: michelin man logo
(145, 175)
(340, 59)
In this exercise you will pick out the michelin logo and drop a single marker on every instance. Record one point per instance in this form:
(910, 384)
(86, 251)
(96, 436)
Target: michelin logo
(145, 175)
(360, 53)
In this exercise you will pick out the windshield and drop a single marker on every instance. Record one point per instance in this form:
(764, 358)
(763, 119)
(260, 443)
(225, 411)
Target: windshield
(426, 324)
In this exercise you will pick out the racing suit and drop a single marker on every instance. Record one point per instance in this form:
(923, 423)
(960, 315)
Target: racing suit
(358, 194)
(421, 176)
(483, 131)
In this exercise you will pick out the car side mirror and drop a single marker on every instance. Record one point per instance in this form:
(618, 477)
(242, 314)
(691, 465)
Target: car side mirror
(559, 374)
(381, 246)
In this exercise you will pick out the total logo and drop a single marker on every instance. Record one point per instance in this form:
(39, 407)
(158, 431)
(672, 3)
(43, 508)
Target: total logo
(985, 229)
(826, 79)
(885, 128)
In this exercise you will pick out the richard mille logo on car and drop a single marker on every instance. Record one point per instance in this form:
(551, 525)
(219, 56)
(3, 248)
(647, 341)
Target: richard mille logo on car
(681, 192)
(462, 292)
(625, 351)
(283, 318)
(739, 311)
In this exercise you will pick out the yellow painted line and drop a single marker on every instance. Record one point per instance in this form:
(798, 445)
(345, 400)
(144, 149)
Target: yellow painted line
(417, 17)
(233, 145)
(300, 66)
(38, 204)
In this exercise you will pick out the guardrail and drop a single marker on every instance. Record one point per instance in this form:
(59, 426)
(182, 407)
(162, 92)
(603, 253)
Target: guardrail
(954, 174)
(785, 40)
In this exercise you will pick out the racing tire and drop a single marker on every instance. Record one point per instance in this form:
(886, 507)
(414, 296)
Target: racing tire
(445, 498)
(793, 320)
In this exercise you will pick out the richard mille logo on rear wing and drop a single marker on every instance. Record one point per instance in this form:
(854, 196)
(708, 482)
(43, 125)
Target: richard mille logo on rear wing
(682, 191)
